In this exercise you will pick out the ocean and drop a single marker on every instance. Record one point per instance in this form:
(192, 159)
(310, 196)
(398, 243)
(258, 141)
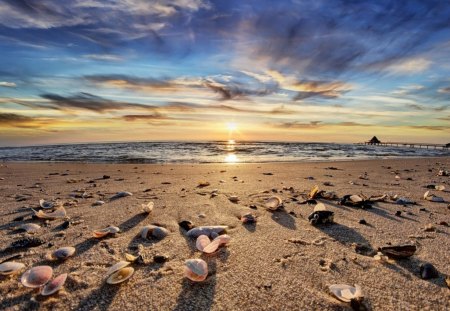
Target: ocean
(209, 152)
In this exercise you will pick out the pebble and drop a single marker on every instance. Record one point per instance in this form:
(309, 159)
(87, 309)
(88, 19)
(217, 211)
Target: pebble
(428, 271)
(398, 213)
(429, 228)
(362, 222)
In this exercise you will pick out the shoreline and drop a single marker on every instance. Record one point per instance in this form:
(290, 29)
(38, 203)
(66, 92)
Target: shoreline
(282, 262)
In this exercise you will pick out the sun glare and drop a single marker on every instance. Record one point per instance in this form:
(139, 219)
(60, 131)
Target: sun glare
(231, 158)
(232, 126)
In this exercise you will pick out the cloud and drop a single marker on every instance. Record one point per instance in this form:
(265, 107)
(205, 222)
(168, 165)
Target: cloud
(298, 125)
(409, 66)
(445, 90)
(7, 84)
(104, 57)
(21, 121)
(149, 117)
(430, 127)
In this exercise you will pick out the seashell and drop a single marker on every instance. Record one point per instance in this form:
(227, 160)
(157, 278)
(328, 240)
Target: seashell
(120, 194)
(234, 199)
(447, 281)
(356, 198)
(328, 195)
(202, 242)
(321, 217)
(154, 231)
(273, 203)
(120, 275)
(46, 205)
(248, 218)
(29, 228)
(186, 225)
(27, 243)
(37, 276)
(98, 203)
(404, 201)
(440, 187)
(148, 208)
(431, 197)
(10, 267)
(63, 253)
(196, 270)
(206, 230)
(205, 245)
(346, 293)
(320, 207)
(203, 184)
(428, 271)
(60, 212)
(116, 267)
(104, 232)
(398, 251)
(54, 285)
(379, 198)
(313, 193)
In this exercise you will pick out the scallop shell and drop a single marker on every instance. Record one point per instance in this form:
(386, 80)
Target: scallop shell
(398, 251)
(273, 203)
(105, 231)
(148, 208)
(196, 270)
(60, 212)
(346, 292)
(120, 276)
(37, 276)
(54, 285)
(46, 205)
(206, 230)
(29, 228)
(10, 267)
(154, 231)
(118, 266)
(63, 252)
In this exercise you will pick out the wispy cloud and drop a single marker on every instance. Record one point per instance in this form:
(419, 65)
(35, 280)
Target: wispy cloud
(7, 84)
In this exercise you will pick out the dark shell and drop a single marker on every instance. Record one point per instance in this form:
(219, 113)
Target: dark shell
(428, 271)
(160, 258)
(27, 243)
(186, 225)
(398, 251)
(321, 217)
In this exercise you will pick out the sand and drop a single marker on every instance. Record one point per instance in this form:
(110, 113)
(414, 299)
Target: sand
(260, 269)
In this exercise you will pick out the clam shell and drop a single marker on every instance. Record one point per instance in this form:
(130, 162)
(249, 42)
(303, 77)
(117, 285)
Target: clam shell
(154, 231)
(60, 212)
(273, 203)
(356, 198)
(37, 276)
(46, 205)
(105, 231)
(54, 285)
(248, 218)
(148, 208)
(398, 251)
(320, 207)
(10, 267)
(121, 194)
(120, 275)
(118, 266)
(63, 252)
(428, 271)
(29, 228)
(202, 242)
(206, 230)
(196, 270)
(346, 292)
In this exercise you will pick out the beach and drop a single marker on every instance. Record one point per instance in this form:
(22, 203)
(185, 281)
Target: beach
(280, 263)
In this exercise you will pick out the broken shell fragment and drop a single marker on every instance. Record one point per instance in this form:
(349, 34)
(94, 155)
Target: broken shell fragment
(196, 270)
(428, 271)
(37, 276)
(206, 230)
(273, 203)
(29, 228)
(431, 197)
(46, 205)
(63, 253)
(248, 218)
(105, 231)
(346, 293)
(154, 231)
(148, 208)
(120, 194)
(10, 267)
(398, 251)
(120, 275)
(58, 213)
(54, 285)
(313, 193)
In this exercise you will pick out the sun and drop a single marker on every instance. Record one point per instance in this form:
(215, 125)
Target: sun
(231, 126)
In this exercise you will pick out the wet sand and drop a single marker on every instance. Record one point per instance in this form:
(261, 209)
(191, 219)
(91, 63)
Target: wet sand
(260, 269)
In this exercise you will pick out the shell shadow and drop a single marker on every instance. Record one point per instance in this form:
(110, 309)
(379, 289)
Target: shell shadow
(22, 300)
(283, 218)
(382, 213)
(412, 265)
(251, 227)
(132, 222)
(86, 245)
(344, 234)
(99, 299)
(188, 299)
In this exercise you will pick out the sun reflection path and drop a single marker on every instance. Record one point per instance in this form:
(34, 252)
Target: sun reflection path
(231, 158)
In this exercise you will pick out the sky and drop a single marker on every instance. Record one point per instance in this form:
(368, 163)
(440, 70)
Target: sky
(138, 70)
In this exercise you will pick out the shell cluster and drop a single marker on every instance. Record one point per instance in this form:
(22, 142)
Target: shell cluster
(205, 245)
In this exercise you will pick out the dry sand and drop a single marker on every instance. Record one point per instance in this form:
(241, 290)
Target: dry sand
(259, 269)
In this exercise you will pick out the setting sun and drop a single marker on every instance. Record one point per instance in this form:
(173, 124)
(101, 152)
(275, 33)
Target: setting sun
(232, 126)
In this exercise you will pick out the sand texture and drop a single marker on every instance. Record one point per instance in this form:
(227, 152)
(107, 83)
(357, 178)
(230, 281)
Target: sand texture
(260, 269)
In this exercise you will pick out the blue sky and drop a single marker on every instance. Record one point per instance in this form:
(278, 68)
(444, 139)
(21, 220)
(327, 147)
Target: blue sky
(91, 70)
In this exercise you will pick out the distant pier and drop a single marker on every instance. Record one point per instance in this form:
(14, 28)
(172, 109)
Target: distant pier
(410, 145)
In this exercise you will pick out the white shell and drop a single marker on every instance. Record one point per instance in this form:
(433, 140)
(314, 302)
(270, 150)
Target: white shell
(206, 230)
(121, 194)
(148, 208)
(105, 231)
(30, 228)
(46, 205)
(10, 267)
(54, 285)
(37, 276)
(118, 266)
(98, 203)
(440, 187)
(345, 292)
(273, 203)
(356, 198)
(63, 252)
(120, 275)
(60, 212)
(320, 207)
(196, 270)
(154, 231)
